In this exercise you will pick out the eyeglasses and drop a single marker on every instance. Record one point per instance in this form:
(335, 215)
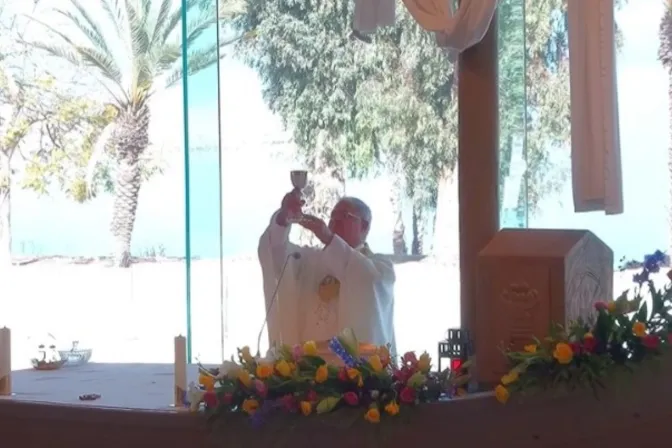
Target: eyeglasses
(343, 215)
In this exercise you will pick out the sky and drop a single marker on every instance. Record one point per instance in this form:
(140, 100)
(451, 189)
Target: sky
(255, 175)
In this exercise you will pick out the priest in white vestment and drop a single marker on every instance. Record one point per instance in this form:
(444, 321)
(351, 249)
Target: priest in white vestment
(324, 290)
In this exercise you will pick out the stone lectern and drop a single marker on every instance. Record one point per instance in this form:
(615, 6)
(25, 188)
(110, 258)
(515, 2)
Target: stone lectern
(529, 279)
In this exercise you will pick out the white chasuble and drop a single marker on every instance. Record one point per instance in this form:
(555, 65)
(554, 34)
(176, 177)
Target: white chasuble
(325, 290)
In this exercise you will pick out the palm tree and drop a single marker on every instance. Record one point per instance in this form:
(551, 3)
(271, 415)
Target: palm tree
(143, 50)
(665, 56)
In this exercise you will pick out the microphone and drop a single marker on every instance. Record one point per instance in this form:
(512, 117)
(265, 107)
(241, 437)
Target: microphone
(295, 256)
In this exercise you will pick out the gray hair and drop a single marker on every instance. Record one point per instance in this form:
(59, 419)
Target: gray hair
(363, 210)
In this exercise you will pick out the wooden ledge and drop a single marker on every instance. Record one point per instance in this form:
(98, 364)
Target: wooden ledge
(639, 418)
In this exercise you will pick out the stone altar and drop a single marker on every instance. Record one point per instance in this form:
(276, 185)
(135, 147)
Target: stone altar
(529, 279)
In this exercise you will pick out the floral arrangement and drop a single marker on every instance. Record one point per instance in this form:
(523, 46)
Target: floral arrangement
(298, 380)
(624, 333)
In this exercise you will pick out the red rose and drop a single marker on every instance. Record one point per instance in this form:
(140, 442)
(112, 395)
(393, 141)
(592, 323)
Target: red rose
(402, 375)
(289, 403)
(210, 399)
(407, 395)
(601, 306)
(409, 359)
(311, 396)
(576, 348)
(650, 341)
(343, 375)
(589, 344)
(351, 398)
(227, 398)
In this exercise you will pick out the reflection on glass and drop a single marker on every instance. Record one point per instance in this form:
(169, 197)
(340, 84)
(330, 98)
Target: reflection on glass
(96, 178)
(644, 123)
(204, 304)
(373, 121)
(512, 113)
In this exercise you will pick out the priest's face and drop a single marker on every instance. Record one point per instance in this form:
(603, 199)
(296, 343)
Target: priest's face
(346, 223)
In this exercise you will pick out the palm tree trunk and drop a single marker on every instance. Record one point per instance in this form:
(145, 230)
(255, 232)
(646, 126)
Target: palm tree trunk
(5, 214)
(130, 139)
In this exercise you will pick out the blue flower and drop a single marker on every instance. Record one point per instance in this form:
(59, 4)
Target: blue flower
(337, 348)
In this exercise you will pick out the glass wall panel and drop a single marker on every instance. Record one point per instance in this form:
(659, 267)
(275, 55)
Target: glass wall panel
(91, 149)
(204, 302)
(368, 116)
(534, 71)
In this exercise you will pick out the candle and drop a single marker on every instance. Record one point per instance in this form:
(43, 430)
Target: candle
(5, 362)
(180, 387)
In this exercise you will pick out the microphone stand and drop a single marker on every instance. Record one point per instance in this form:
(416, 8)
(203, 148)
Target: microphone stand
(295, 256)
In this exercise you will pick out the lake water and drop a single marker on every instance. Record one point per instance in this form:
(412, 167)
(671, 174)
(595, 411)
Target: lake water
(254, 178)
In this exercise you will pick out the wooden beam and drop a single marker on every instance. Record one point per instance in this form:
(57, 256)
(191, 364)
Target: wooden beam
(478, 162)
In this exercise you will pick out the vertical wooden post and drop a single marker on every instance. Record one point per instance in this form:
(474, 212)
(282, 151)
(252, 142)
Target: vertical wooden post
(478, 162)
(180, 373)
(5, 362)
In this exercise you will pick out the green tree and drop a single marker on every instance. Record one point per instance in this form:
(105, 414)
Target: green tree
(47, 131)
(390, 106)
(141, 54)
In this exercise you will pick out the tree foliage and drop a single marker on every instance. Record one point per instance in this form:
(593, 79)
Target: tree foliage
(390, 106)
(46, 129)
(134, 52)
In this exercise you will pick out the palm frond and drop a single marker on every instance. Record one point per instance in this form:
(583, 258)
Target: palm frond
(197, 60)
(117, 16)
(164, 11)
(175, 18)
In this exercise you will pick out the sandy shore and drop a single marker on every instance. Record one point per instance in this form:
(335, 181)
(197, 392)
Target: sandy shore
(132, 315)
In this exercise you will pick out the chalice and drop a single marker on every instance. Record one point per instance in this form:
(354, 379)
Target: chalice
(299, 180)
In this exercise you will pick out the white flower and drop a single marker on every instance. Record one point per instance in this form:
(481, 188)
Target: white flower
(228, 369)
(195, 396)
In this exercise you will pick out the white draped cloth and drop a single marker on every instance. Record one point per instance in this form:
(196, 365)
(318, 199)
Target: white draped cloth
(596, 158)
(364, 304)
(597, 181)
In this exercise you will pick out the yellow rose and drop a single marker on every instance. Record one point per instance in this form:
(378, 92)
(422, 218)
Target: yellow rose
(250, 406)
(563, 353)
(246, 355)
(310, 348)
(283, 368)
(639, 329)
(372, 415)
(321, 374)
(353, 374)
(384, 354)
(245, 378)
(206, 381)
(376, 363)
(306, 408)
(360, 382)
(425, 362)
(510, 378)
(611, 307)
(264, 371)
(392, 408)
(501, 394)
(530, 348)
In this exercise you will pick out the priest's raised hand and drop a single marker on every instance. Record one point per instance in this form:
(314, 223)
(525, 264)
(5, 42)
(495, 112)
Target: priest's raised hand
(342, 285)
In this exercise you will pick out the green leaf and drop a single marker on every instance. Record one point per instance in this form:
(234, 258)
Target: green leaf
(328, 404)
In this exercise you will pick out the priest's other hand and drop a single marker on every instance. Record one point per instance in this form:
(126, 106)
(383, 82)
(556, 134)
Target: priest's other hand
(319, 228)
(291, 205)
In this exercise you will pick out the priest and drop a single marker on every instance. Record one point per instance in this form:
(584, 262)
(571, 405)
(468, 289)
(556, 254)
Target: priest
(321, 291)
